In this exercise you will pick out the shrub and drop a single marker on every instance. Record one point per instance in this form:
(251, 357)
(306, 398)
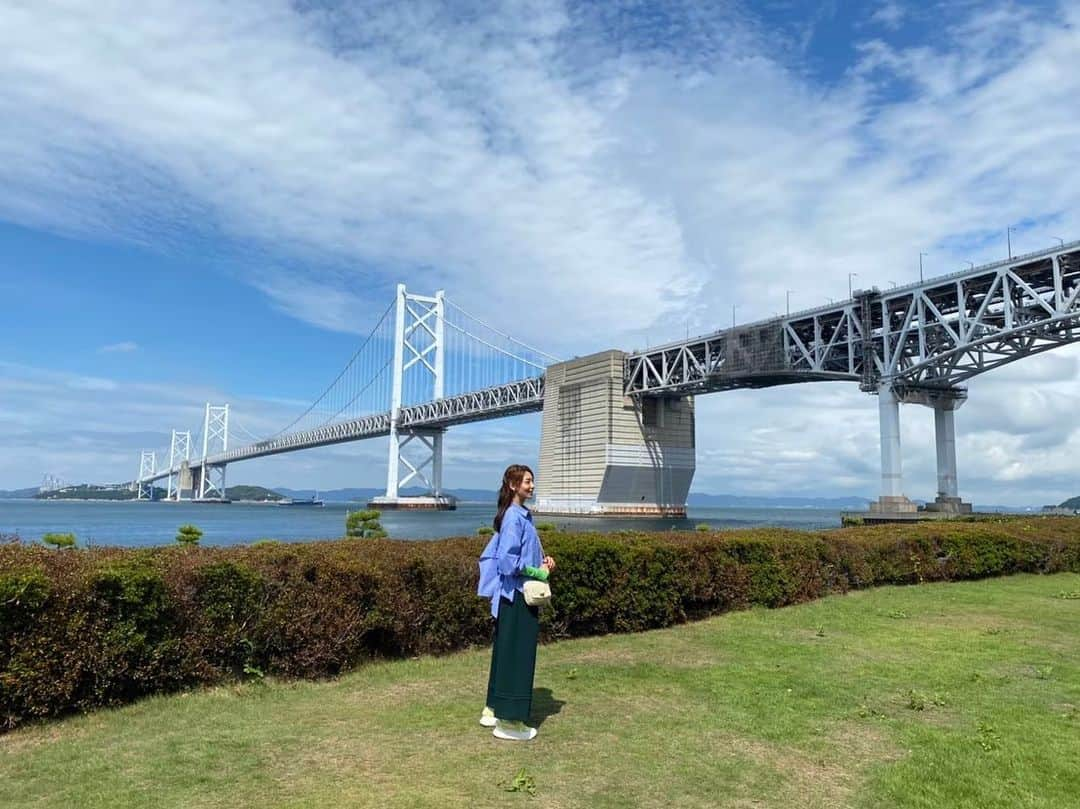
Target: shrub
(188, 535)
(485, 531)
(703, 527)
(545, 526)
(106, 625)
(364, 524)
(22, 596)
(227, 597)
(59, 541)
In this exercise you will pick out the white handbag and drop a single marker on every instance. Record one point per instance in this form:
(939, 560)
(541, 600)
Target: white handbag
(537, 593)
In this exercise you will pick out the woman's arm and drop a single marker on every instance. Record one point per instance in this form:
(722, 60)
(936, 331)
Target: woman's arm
(510, 546)
(540, 573)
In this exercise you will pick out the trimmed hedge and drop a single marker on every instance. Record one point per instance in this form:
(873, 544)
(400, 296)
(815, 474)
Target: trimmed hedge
(81, 629)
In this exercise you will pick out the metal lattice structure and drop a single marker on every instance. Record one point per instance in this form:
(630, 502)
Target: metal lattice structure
(419, 340)
(147, 474)
(179, 455)
(933, 334)
(215, 440)
(432, 365)
(524, 396)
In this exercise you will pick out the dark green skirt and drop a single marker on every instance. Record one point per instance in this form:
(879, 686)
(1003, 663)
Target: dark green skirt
(513, 659)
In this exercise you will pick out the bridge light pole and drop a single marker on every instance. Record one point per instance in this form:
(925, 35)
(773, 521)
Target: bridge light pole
(1009, 231)
(1061, 240)
(850, 275)
(734, 306)
(787, 298)
(920, 267)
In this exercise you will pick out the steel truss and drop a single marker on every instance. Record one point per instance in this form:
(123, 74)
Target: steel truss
(522, 396)
(934, 334)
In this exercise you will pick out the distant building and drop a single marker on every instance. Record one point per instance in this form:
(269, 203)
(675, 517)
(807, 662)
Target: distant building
(1058, 510)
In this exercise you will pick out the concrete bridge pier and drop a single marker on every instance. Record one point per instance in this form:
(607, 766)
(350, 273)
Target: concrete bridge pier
(606, 454)
(892, 499)
(184, 488)
(945, 403)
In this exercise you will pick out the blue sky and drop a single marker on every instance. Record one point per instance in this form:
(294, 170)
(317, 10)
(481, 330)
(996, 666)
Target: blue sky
(214, 202)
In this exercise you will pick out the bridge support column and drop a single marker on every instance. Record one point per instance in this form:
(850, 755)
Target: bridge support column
(428, 459)
(603, 453)
(945, 403)
(892, 500)
(945, 439)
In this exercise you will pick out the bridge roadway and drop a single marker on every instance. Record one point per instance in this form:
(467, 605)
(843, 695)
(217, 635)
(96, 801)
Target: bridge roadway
(933, 334)
(511, 399)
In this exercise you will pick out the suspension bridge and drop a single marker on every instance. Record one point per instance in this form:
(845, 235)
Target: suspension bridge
(617, 431)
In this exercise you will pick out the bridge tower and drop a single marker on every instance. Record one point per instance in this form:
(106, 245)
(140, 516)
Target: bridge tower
(419, 340)
(605, 453)
(209, 479)
(147, 467)
(179, 464)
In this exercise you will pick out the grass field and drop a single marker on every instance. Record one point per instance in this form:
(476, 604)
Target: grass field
(942, 695)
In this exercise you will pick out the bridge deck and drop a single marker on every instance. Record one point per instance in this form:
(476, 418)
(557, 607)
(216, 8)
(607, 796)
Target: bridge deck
(522, 396)
(935, 333)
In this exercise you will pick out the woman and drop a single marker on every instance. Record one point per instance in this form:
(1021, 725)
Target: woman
(513, 555)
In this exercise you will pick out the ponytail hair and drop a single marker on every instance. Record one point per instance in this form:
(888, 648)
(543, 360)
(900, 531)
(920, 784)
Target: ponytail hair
(512, 478)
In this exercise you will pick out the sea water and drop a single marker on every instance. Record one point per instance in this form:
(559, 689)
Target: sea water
(142, 523)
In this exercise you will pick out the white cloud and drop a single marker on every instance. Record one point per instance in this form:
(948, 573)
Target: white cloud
(585, 193)
(125, 347)
(80, 429)
(889, 14)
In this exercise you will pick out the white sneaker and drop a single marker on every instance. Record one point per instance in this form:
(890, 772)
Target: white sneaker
(513, 731)
(487, 717)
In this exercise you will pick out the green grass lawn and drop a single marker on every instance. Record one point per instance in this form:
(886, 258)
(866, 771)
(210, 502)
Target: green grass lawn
(941, 695)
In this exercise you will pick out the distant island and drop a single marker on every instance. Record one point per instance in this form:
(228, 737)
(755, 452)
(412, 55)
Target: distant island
(89, 491)
(259, 494)
(251, 493)
(117, 492)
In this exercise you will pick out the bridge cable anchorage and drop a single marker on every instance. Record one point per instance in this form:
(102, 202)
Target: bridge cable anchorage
(330, 387)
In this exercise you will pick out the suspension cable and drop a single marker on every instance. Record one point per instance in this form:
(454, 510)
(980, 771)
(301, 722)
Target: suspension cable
(492, 345)
(359, 394)
(500, 333)
(338, 377)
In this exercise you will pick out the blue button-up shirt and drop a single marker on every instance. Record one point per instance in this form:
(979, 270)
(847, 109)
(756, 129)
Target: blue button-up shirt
(515, 546)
